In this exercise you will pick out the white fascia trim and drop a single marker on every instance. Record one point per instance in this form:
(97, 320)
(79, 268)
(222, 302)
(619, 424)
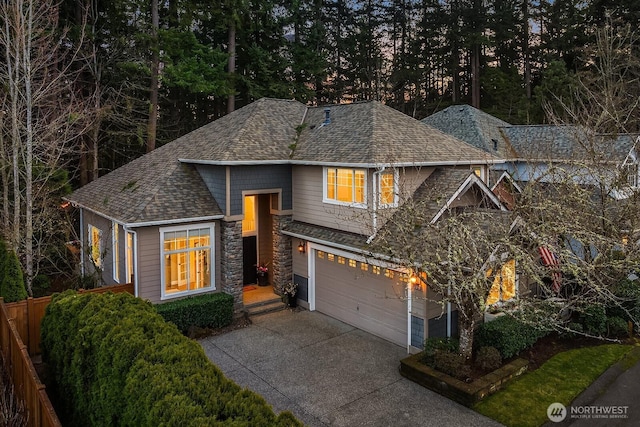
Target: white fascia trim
(471, 179)
(339, 164)
(335, 247)
(148, 223)
(506, 175)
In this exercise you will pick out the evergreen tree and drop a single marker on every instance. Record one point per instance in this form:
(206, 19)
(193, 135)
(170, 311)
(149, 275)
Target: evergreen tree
(12, 286)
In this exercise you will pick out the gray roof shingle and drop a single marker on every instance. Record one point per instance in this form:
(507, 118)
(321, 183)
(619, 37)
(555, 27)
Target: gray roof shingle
(473, 126)
(158, 187)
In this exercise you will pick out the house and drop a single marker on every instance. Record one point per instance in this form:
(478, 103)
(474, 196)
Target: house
(300, 190)
(548, 153)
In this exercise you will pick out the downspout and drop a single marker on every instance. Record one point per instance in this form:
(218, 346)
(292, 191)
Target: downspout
(81, 242)
(409, 308)
(374, 204)
(127, 230)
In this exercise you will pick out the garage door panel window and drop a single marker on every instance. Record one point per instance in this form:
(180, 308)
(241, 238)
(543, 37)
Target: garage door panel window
(187, 260)
(345, 186)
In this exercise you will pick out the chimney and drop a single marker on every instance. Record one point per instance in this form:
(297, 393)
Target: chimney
(327, 116)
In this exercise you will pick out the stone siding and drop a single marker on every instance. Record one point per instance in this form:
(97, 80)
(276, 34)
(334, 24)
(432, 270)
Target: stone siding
(231, 261)
(282, 262)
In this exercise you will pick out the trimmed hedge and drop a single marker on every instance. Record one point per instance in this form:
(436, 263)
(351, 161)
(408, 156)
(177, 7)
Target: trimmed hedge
(12, 286)
(115, 361)
(509, 335)
(203, 311)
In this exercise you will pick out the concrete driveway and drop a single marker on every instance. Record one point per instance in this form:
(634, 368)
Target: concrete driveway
(329, 373)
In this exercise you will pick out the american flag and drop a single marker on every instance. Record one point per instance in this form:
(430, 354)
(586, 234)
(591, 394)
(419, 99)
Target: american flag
(551, 260)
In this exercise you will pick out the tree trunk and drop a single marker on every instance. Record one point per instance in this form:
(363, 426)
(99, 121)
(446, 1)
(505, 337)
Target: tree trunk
(525, 48)
(231, 100)
(153, 90)
(466, 327)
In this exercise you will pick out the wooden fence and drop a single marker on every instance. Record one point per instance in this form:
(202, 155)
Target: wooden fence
(20, 339)
(26, 382)
(28, 315)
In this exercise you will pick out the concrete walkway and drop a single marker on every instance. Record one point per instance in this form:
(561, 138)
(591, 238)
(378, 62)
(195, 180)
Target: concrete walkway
(329, 373)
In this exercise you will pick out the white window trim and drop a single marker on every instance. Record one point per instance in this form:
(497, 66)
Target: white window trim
(115, 251)
(99, 262)
(326, 199)
(396, 196)
(212, 287)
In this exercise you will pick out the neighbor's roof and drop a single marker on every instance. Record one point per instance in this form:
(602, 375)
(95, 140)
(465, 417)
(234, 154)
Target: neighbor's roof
(566, 143)
(473, 126)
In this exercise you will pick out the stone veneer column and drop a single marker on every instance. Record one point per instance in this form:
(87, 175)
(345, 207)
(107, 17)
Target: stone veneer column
(282, 262)
(231, 268)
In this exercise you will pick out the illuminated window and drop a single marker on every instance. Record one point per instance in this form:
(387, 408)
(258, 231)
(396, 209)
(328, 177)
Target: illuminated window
(130, 257)
(375, 269)
(352, 263)
(330, 257)
(95, 245)
(116, 252)
(320, 254)
(249, 221)
(388, 189)
(187, 260)
(341, 260)
(504, 283)
(346, 186)
(364, 266)
(388, 273)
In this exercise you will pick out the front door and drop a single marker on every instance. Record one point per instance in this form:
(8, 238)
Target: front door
(249, 259)
(250, 240)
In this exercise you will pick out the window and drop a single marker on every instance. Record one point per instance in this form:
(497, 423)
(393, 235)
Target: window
(249, 221)
(631, 171)
(375, 269)
(95, 245)
(116, 252)
(388, 273)
(330, 257)
(504, 283)
(388, 189)
(364, 266)
(345, 186)
(130, 257)
(320, 254)
(341, 260)
(186, 253)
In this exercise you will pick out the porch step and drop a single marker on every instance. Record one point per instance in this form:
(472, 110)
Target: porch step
(264, 307)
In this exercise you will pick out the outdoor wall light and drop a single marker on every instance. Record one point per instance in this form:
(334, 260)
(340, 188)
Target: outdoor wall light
(302, 248)
(415, 282)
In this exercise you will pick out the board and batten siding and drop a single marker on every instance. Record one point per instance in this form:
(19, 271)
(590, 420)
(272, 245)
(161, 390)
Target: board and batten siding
(149, 263)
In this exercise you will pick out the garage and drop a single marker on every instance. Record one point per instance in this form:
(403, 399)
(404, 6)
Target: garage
(369, 297)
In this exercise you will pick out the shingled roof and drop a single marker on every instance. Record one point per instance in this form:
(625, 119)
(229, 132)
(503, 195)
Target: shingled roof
(153, 188)
(473, 126)
(162, 186)
(372, 133)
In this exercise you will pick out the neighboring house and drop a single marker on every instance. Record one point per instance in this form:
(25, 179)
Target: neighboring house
(544, 152)
(301, 190)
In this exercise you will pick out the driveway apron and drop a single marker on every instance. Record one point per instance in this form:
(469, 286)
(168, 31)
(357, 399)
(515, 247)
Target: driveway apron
(329, 373)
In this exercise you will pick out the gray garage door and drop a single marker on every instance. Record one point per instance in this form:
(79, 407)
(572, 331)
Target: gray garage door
(365, 296)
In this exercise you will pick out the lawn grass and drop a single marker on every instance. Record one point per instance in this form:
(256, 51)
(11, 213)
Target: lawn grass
(524, 401)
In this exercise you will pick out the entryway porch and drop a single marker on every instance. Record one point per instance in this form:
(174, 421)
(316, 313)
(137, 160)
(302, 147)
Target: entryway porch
(261, 299)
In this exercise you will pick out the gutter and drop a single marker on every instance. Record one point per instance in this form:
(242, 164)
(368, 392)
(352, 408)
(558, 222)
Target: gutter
(339, 164)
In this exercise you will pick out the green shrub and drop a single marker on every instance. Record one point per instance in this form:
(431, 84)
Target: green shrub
(432, 345)
(451, 363)
(488, 358)
(203, 311)
(12, 286)
(509, 335)
(617, 327)
(115, 361)
(594, 319)
(627, 306)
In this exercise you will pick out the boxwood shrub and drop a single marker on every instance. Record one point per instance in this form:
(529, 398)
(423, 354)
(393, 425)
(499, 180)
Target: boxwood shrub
(115, 361)
(509, 335)
(203, 311)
